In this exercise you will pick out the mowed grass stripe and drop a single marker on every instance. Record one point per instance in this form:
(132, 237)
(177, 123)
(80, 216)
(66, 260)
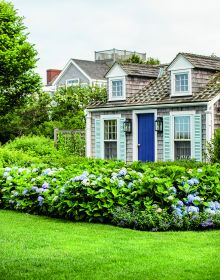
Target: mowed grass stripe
(35, 247)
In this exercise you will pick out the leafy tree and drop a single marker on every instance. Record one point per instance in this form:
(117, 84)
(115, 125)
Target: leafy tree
(17, 60)
(137, 59)
(70, 103)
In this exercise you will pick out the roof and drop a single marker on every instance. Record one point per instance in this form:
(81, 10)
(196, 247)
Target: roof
(94, 69)
(158, 92)
(202, 61)
(145, 70)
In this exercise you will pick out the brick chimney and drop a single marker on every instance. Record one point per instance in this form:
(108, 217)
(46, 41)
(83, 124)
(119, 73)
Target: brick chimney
(51, 74)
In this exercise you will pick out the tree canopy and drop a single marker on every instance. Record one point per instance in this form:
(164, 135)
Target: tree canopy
(17, 60)
(137, 59)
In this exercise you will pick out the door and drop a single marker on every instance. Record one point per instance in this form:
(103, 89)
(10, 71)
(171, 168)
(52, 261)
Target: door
(146, 137)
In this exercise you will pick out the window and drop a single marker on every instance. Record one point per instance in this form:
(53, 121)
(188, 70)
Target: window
(110, 139)
(117, 90)
(182, 137)
(181, 83)
(72, 82)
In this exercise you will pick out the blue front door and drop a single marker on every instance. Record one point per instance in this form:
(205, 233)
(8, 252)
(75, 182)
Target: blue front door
(146, 141)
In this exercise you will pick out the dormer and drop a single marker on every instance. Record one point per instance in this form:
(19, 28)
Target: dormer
(125, 79)
(181, 76)
(116, 77)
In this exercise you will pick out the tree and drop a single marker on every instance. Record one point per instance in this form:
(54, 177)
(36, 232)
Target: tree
(17, 60)
(137, 59)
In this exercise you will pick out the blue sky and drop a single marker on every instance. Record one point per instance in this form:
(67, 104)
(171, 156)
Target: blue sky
(68, 29)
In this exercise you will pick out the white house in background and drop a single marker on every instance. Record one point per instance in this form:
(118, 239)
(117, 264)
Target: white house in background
(86, 72)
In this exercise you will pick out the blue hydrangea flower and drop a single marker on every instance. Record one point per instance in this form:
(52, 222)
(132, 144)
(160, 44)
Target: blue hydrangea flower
(85, 182)
(34, 188)
(193, 209)
(190, 198)
(9, 178)
(40, 190)
(212, 205)
(45, 185)
(5, 174)
(34, 170)
(196, 181)
(207, 223)
(25, 191)
(178, 212)
(40, 198)
(217, 205)
(15, 193)
(62, 190)
(122, 173)
(199, 170)
(190, 182)
(120, 183)
(210, 211)
(130, 184)
(179, 203)
(54, 180)
(7, 169)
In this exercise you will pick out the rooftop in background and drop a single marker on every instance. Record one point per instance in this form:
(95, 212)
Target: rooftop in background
(117, 55)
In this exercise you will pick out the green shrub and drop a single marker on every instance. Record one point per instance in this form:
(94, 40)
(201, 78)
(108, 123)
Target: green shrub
(214, 148)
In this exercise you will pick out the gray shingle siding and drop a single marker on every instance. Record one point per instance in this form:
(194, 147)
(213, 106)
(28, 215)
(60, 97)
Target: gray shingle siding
(71, 73)
(160, 113)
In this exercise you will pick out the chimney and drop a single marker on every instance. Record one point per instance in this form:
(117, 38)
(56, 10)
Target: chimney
(51, 74)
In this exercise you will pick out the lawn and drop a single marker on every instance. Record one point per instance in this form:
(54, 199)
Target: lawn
(33, 247)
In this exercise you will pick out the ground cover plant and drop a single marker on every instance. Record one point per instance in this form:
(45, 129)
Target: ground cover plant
(34, 247)
(154, 197)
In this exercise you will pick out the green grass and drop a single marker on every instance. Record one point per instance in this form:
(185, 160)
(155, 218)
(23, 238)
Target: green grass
(33, 247)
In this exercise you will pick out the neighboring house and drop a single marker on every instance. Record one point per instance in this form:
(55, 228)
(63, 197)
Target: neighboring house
(171, 117)
(86, 72)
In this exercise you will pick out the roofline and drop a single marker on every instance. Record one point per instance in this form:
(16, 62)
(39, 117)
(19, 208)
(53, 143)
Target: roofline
(176, 57)
(71, 61)
(153, 106)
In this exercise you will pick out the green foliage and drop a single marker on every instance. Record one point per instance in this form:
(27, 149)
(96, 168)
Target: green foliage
(17, 60)
(137, 59)
(72, 143)
(213, 148)
(70, 103)
(26, 119)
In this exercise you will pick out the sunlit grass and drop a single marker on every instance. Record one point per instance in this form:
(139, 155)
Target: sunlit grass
(33, 247)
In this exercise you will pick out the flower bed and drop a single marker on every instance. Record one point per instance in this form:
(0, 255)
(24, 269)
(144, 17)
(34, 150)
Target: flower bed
(162, 198)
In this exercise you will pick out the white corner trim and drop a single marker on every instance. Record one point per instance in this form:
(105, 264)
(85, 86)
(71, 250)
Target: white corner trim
(211, 111)
(135, 132)
(88, 134)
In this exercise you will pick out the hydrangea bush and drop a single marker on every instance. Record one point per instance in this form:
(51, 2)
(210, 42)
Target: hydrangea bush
(163, 198)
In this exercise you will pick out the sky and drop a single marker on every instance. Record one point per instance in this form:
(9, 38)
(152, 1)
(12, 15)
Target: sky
(64, 29)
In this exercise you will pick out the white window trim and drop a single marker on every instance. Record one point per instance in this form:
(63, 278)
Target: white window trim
(135, 132)
(75, 84)
(179, 114)
(173, 81)
(112, 98)
(109, 117)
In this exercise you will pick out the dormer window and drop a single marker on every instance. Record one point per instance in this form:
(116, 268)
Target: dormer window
(117, 88)
(181, 83)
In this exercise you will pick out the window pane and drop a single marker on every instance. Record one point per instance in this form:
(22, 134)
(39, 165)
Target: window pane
(110, 130)
(117, 88)
(182, 150)
(110, 150)
(182, 127)
(181, 82)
